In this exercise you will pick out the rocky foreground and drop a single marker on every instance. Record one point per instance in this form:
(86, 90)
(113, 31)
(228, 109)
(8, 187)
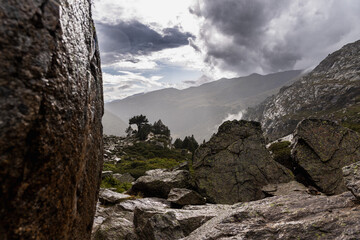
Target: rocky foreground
(296, 203)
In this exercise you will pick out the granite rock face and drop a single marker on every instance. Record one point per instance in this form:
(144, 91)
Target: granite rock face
(352, 178)
(108, 197)
(281, 189)
(51, 105)
(234, 164)
(298, 216)
(183, 196)
(322, 148)
(159, 182)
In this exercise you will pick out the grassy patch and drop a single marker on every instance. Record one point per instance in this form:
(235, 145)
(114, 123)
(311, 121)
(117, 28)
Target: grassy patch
(110, 182)
(142, 157)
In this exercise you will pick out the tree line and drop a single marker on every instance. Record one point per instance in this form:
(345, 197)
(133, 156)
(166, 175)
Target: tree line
(144, 128)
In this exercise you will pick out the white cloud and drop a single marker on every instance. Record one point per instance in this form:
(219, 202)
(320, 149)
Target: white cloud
(129, 83)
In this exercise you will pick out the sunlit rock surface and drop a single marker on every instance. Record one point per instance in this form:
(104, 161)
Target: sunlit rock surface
(51, 105)
(297, 216)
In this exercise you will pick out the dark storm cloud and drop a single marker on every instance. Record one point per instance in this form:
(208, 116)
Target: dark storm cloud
(134, 38)
(273, 35)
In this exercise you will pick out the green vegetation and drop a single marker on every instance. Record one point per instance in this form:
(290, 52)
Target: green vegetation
(281, 153)
(138, 156)
(111, 182)
(143, 156)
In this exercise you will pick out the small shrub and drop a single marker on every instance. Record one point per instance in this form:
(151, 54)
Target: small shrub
(109, 167)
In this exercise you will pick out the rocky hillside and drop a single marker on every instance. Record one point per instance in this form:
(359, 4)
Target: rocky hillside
(331, 91)
(200, 110)
(51, 104)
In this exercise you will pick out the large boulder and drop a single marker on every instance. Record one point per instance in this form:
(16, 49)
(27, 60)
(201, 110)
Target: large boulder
(322, 148)
(171, 224)
(51, 104)
(234, 164)
(116, 221)
(159, 182)
(352, 178)
(297, 216)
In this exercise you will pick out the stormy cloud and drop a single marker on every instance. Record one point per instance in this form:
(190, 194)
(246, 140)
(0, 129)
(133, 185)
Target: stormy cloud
(246, 36)
(127, 39)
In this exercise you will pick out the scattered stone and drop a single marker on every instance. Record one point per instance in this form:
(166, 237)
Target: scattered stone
(107, 197)
(352, 178)
(235, 164)
(126, 177)
(183, 196)
(322, 148)
(159, 182)
(51, 104)
(297, 216)
(282, 189)
(106, 174)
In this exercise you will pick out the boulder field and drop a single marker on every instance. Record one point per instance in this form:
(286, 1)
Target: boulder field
(273, 208)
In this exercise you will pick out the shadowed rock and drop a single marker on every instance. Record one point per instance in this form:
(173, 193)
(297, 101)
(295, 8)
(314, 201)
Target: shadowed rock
(126, 177)
(170, 224)
(235, 164)
(51, 104)
(322, 148)
(183, 196)
(159, 182)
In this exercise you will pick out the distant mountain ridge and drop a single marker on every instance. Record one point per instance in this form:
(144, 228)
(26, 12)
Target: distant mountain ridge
(331, 91)
(198, 110)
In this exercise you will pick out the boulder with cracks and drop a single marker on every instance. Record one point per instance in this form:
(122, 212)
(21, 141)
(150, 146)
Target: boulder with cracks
(234, 164)
(322, 148)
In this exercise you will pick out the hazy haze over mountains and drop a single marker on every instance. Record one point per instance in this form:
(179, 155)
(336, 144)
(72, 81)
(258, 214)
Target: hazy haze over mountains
(199, 110)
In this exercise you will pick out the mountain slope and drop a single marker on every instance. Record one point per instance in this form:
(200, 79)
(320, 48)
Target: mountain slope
(331, 91)
(113, 125)
(198, 110)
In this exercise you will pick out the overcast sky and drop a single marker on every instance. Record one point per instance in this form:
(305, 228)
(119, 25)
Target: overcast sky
(152, 44)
